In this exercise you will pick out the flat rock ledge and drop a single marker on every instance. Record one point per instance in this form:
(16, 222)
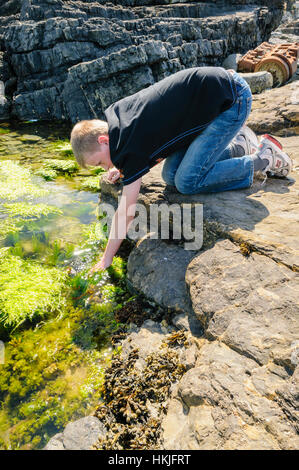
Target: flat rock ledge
(277, 110)
(229, 402)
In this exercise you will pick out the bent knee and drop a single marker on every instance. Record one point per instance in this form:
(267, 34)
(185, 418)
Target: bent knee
(183, 187)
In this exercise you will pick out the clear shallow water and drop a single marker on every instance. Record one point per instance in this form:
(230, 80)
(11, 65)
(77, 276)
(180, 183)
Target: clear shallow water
(30, 146)
(54, 365)
(78, 209)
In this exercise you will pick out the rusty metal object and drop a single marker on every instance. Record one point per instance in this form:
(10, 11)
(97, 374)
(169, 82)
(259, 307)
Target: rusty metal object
(280, 60)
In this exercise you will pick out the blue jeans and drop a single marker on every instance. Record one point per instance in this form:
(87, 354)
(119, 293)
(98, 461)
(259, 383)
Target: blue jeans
(207, 166)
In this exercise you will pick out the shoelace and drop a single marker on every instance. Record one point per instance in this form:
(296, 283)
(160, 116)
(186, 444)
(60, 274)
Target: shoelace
(264, 180)
(261, 147)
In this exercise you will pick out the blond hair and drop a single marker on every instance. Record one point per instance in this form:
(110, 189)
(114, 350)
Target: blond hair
(84, 138)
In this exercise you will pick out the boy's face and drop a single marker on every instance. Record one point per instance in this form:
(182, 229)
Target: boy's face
(102, 156)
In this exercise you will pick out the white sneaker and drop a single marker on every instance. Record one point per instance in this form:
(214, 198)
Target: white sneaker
(247, 139)
(280, 164)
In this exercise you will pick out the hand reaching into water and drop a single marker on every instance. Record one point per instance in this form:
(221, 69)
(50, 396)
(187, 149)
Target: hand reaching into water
(100, 265)
(113, 175)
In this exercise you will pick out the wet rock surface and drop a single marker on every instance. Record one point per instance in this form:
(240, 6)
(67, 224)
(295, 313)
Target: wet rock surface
(70, 60)
(149, 261)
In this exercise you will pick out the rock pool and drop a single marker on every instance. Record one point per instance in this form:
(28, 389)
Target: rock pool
(55, 320)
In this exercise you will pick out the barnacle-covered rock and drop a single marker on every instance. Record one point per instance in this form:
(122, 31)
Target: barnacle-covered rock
(136, 397)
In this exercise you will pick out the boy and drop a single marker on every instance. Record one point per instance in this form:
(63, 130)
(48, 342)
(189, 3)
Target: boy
(194, 119)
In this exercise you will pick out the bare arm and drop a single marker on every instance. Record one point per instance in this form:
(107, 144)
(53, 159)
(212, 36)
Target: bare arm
(120, 223)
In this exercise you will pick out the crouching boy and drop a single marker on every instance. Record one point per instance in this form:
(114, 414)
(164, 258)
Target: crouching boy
(194, 120)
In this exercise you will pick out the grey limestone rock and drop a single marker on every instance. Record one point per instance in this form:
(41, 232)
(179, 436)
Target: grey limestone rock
(248, 302)
(55, 443)
(258, 81)
(228, 402)
(148, 264)
(240, 390)
(276, 111)
(79, 57)
(231, 62)
(286, 33)
(78, 435)
(146, 339)
(188, 322)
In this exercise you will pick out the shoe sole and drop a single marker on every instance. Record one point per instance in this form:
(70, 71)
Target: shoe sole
(274, 144)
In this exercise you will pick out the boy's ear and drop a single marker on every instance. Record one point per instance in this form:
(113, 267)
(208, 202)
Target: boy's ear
(103, 139)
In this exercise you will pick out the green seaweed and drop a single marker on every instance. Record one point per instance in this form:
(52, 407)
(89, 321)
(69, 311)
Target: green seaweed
(96, 232)
(30, 138)
(25, 210)
(79, 286)
(8, 227)
(62, 166)
(16, 182)
(98, 326)
(27, 290)
(63, 147)
(118, 269)
(47, 174)
(91, 183)
(39, 242)
(48, 380)
(57, 252)
(17, 250)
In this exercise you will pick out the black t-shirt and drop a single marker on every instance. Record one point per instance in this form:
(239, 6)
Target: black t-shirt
(153, 123)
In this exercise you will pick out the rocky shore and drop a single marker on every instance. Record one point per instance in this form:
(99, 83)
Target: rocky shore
(220, 371)
(235, 303)
(242, 390)
(69, 60)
